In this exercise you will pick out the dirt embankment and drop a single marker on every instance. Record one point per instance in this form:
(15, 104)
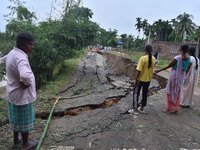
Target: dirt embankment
(121, 65)
(125, 66)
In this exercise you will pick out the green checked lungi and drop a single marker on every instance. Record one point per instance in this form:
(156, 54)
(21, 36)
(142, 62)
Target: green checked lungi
(21, 117)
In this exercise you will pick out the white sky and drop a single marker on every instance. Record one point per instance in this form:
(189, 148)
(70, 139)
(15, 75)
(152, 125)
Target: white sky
(117, 14)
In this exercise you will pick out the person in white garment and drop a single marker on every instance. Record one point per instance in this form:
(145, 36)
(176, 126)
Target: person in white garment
(191, 80)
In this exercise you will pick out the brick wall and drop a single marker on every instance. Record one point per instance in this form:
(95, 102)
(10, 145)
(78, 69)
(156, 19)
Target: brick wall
(169, 49)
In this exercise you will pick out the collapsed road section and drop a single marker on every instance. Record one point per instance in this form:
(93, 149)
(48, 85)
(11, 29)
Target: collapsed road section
(101, 81)
(90, 113)
(98, 85)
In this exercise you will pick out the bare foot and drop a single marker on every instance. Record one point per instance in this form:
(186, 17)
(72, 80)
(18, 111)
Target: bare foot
(170, 111)
(16, 145)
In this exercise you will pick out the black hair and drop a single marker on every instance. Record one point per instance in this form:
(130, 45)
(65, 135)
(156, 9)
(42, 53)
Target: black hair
(184, 48)
(23, 38)
(148, 49)
(192, 52)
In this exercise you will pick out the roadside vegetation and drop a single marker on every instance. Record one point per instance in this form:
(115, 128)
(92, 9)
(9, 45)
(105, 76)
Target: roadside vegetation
(47, 93)
(50, 90)
(62, 38)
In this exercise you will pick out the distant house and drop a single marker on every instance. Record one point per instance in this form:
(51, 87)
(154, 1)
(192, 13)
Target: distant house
(170, 49)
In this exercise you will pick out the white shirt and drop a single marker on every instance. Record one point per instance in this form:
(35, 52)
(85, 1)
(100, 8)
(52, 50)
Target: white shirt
(18, 70)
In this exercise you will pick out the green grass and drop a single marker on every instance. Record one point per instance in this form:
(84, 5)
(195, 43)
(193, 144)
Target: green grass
(163, 63)
(67, 69)
(51, 89)
(135, 56)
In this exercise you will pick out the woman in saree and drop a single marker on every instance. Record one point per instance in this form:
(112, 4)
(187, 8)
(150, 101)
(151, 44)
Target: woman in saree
(179, 67)
(191, 80)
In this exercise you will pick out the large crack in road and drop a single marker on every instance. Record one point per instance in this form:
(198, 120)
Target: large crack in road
(95, 86)
(91, 113)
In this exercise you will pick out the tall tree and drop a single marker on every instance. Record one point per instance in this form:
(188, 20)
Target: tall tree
(183, 26)
(124, 39)
(107, 38)
(20, 19)
(138, 25)
(145, 26)
(161, 30)
(195, 36)
(69, 4)
(76, 24)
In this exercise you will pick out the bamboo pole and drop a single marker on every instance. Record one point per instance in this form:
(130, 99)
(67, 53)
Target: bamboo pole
(47, 125)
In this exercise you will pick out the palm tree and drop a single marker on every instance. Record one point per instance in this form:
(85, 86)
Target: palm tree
(161, 30)
(168, 30)
(157, 29)
(145, 26)
(138, 25)
(183, 26)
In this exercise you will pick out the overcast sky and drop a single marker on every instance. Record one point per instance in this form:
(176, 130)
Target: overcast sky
(117, 14)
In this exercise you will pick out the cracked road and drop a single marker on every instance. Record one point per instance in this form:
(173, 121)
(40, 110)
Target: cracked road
(111, 127)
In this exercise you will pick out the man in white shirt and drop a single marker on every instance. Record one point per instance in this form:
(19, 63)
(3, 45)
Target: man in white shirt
(21, 90)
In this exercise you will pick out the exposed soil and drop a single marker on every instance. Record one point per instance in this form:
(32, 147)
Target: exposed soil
(78, 110)
(92, 113)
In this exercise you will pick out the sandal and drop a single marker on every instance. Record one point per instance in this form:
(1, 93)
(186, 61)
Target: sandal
(31, 145)
(133, 111)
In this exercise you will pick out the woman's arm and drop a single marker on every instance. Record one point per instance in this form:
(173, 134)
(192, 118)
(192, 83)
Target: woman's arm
(171, 64)
(137, 76)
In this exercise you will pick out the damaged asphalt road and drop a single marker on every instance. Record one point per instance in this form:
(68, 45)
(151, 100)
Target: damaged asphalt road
(91, 114)
(111, 127)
